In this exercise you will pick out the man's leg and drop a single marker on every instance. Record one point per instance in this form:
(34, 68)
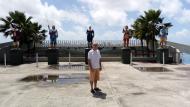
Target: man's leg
(97, 77)
(95, 83)
(91, 77)
(91, 84)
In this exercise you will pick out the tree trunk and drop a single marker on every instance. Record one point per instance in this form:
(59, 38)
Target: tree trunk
(142, 47)
(34, 47)
(141, 42)
(153, 45)
(147, 43)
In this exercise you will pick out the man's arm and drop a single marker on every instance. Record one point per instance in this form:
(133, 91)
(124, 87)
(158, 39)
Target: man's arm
(100, 64)
(89, 61)
(89, 64)
(100, 60)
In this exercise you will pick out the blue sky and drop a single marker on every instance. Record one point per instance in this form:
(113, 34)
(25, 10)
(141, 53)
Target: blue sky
(107, 17)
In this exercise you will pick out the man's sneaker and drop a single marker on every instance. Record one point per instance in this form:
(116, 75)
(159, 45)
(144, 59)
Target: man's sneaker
(97, 89)
(92, 91)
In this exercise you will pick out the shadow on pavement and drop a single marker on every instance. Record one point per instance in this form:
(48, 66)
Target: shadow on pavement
(100, 94)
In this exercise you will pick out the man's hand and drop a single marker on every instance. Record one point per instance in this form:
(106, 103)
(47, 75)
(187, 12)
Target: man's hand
(100, 68)
(90, 68)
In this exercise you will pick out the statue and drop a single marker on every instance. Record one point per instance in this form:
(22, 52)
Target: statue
(53, 36)
(90, 36)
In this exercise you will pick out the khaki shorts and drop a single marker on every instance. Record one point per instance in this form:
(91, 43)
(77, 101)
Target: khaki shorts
(163, 39)
(94, 75)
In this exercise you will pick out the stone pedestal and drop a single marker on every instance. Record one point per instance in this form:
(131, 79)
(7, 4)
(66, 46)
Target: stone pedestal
(53, 56)
(16, 56)
(160, 52)
(86, 55)
(1, 56)
(126, 55)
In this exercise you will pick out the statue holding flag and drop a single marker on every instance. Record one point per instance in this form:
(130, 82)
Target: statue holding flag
(53, 36)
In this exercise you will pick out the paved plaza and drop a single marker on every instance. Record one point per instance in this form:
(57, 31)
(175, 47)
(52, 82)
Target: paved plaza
(122, 86)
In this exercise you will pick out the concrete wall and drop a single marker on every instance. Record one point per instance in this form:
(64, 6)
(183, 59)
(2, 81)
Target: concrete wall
(4, 48)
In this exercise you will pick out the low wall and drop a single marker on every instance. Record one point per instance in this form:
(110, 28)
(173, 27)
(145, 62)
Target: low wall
(4, 48)
(72, 59)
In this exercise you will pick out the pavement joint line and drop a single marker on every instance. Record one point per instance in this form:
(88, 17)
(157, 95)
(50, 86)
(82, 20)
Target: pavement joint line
(114, 96)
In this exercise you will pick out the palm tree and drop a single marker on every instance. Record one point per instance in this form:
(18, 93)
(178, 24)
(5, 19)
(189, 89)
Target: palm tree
(146, 26)
(140, 29)
(38, 34)
(31, 32)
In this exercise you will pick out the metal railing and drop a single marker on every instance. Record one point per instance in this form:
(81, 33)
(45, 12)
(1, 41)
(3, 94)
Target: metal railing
(83, 43)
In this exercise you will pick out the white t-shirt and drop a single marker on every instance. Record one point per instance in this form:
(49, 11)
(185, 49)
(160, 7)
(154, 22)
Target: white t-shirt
(94, 57)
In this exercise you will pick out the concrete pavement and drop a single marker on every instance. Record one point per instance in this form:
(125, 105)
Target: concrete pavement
(122, 86)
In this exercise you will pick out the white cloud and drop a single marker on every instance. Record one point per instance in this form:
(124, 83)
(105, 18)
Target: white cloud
(185, 16)
(77, 33)
(122, 5)
(45, 14)
(4, 39)
(188, 1)
(107, 16)
(182, 36)
(114, 13)
(109, 35)
(171, 8)
(175, 10)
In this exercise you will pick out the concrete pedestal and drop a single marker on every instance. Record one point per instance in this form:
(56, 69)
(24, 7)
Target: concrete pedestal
(16, 56)
(125, 55)
(160, 52)
(86, 55)
(53, 56)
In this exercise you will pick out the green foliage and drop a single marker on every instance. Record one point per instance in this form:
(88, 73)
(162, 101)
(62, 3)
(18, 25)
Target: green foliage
(31, 31)
(145, 27)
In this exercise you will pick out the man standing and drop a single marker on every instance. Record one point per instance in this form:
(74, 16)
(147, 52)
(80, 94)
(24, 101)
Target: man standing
(90, 36)
(53, 36)
(95, 66)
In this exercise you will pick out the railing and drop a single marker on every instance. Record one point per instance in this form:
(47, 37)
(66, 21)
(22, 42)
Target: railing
(83, 43)
(4, 45)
